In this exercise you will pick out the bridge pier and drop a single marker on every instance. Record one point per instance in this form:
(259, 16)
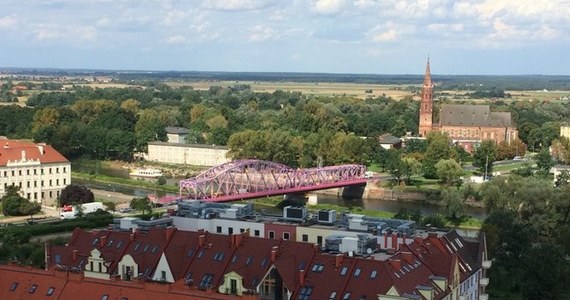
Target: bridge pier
(353, 191)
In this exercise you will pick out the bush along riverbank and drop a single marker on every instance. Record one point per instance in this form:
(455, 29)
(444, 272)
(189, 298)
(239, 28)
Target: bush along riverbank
(125, 181)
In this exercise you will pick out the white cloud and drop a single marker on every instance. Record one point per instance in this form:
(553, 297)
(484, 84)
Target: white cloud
(176, 39)
(329, 7)
(260, 33)
(237, 5)
(390, 31)
(8, 21)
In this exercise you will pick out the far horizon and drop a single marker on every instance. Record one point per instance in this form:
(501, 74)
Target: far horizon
(483, 37)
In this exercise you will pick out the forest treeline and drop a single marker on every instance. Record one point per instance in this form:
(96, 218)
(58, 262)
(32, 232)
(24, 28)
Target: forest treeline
(288, 127)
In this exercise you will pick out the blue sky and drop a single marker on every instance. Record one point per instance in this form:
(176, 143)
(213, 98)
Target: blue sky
(337, 36)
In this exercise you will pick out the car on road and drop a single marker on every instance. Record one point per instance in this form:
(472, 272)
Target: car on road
(125, 210)
(518, 158)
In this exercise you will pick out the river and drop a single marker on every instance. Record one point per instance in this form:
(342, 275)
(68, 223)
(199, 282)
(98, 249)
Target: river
(369, 204)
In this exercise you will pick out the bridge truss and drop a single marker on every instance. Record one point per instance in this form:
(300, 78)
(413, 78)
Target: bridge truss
(246, 179)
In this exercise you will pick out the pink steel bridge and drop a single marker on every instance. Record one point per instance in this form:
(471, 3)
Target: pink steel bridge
(247, 179)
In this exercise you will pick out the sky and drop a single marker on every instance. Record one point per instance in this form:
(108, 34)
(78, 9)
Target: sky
(473, 37)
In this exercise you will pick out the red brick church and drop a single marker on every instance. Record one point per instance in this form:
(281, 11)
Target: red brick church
(467, 125)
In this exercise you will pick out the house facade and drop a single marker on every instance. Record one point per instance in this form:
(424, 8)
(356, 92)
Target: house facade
(37, 169)
(189, 154)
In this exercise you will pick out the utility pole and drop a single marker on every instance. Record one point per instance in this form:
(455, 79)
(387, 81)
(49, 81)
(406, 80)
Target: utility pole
(486, 166)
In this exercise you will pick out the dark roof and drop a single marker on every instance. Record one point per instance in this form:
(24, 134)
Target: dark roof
(389, 139)
(177, 130)
(474, 115)
(189, 145)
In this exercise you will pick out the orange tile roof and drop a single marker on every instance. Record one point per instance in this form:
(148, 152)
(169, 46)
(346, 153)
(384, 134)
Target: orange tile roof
(11, 150)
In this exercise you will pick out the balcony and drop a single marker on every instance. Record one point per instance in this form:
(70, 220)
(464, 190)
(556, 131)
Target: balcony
(487, 264)
(484, 281)
(484, 297)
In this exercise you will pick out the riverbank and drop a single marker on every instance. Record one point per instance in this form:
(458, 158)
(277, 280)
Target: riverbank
(124, 181)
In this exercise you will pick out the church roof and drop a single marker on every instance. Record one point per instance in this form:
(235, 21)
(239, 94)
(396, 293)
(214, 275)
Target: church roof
(474, 115)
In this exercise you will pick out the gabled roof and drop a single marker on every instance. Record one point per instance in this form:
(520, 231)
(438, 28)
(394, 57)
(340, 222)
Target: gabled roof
(25, 283)
(474, 115)
(207, 268)
(389, 139)
(81, 243)
(327, 277)
(177, 130)
(293, 257)
(12, 150)
(181, 250)
(146, 249)
(252, 260)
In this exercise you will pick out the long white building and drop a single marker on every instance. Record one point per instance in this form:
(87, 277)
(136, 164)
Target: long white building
(38, 169)
(189, 154)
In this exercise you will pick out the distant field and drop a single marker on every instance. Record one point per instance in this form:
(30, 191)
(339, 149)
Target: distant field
(319, 88)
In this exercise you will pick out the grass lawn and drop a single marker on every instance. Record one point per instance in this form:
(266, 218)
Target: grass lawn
(124, 181)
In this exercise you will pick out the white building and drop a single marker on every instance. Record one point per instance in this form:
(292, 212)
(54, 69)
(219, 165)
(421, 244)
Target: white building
(177, 134)
(189, 154)
(38, 169)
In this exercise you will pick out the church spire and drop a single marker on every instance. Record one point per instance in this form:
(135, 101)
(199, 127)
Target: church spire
(427, 76)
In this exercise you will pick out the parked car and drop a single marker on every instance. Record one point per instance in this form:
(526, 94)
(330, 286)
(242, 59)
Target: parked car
(125, 210)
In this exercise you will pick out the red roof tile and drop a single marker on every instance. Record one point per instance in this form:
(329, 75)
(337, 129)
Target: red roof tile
(11, 150)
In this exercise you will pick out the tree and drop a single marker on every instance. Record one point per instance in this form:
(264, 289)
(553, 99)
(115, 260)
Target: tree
(75, 194)
(449, 171)
(110, 205)
(484, 157)
(562, 179)
(15, 205)
(438, 148)
(143, 204)
(454, 203)
(546, 271)
(544, 161)
(410, 167)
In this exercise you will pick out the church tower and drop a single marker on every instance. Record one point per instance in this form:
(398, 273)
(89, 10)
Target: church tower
(426, 105)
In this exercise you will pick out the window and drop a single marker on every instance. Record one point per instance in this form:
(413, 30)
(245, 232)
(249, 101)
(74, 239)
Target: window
(343, 271)
(33, 289)
(137, 246)
(234, 259)
(256, 232)
(163, 275)
(230, 230)
(271, 234)
(286, 236)
(346, 296)
(50, 170)
(305, 293)
(190, 252)
(28, 172)
(201, 253)
(105, 297)
(320, 240)
(206, 281)
(57, 182)
(50, 291)
(35, 183)
(20, 172)
(28, 184)
(264, 262)
(64, 181)
(219, 256)
(14, 286)
(146, 247)
(357, 272)
(218, 229)
(305, 238)
(57, 170)
(64, 169)
(50, 182)
(35, 172)
(249, 260)
(318, 268)
(332, 296)
(241, 229)
(373, 274)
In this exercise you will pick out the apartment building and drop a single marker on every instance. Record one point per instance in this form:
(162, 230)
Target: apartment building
(37, 169)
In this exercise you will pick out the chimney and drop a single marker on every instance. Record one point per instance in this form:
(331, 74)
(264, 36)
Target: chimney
(396, 263)
(238, 239)
(408, 257)
(301, 277)
(338, 260)
(47, 254)
(74, 257)
(432, 234)
(132, 237)
(394, 240)
(274, 251)
(103, 241)
(23, 155)
(169, 233)
(316, 247)
(201, 240)
(41, 148)
(419, 240)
